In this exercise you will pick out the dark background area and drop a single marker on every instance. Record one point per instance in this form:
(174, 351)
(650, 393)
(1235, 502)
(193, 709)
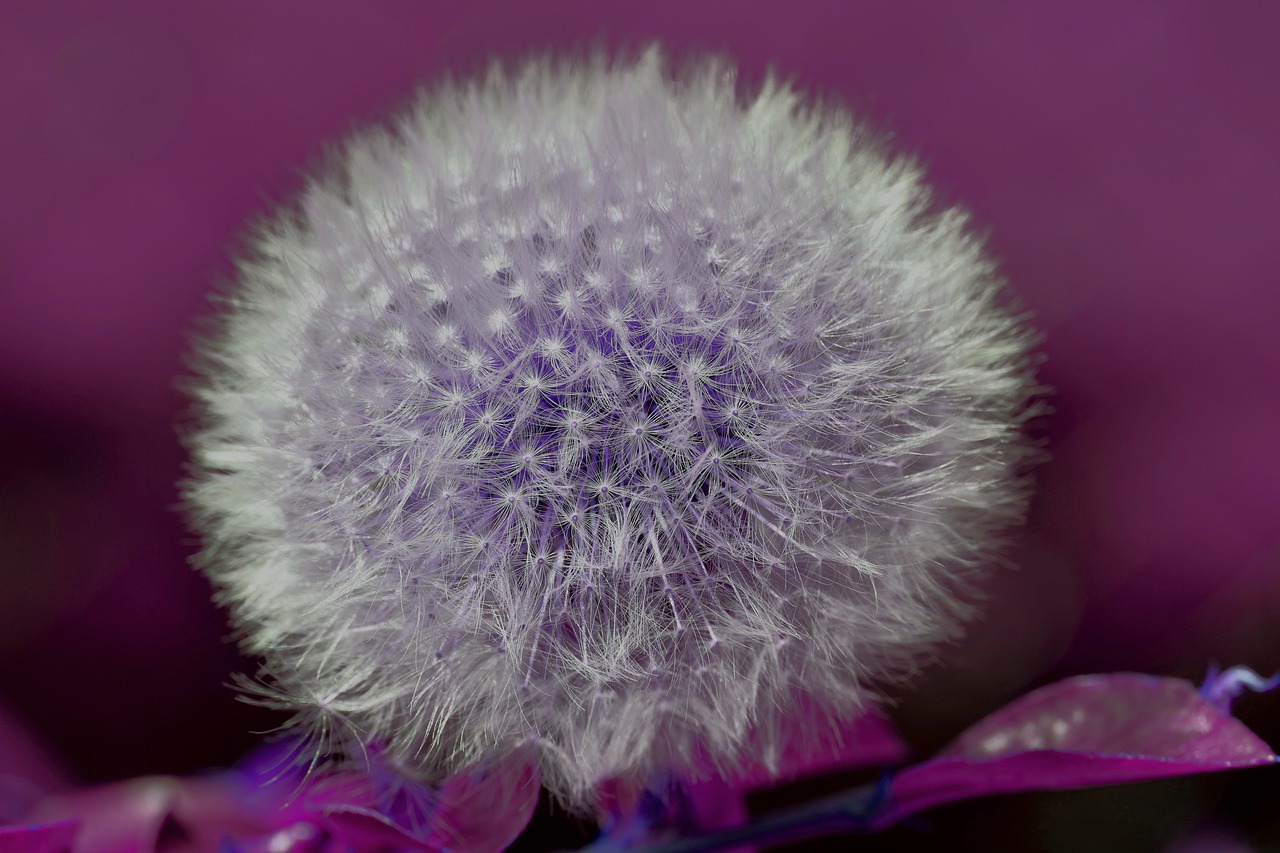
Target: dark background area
(1123, 156)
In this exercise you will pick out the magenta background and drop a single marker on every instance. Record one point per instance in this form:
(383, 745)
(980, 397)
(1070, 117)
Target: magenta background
(1122, 155)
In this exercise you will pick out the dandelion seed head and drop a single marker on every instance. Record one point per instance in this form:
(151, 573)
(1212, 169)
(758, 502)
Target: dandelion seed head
(600, 411)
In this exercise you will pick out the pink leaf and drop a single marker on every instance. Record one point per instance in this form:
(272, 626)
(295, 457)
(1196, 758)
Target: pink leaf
(479, 812)
(46, 838)
(123, 817)
(144, 814)
(869, 740)
(713, 801)
(1081, 732)
(368, 829)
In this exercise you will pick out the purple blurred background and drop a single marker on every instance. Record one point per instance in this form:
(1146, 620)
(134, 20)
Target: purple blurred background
(1123, 156)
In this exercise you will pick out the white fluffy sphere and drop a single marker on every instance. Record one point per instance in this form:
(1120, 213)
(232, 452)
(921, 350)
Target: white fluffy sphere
(601, 412)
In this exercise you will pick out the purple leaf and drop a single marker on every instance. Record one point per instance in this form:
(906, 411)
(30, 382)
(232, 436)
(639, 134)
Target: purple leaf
(149, 813)
(713, 800)
(482, 813)
(870, 740)
(123, 816)
(479, 812)
(1081, 732)
(368, 829)
(45, 838)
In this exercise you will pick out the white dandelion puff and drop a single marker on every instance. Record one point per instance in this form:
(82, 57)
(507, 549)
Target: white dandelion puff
(601, 412)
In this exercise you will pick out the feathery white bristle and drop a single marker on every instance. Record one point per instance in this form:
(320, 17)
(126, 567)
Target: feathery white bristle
(600, 412)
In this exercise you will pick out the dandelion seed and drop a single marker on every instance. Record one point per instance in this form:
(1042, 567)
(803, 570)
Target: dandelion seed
(698, 394)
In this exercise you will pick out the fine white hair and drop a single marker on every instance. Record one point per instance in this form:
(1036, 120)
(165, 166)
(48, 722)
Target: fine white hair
(605, 413)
